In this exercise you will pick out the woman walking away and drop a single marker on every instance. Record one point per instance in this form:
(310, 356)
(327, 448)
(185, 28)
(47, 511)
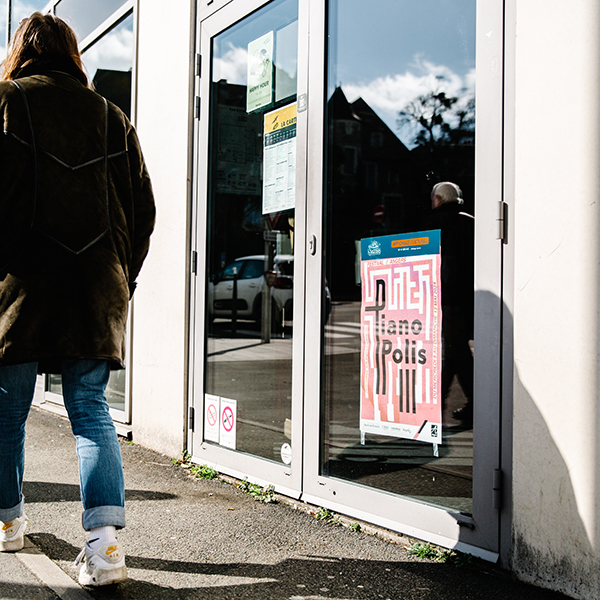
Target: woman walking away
(76, 214)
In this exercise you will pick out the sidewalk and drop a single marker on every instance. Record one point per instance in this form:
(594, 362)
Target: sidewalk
(191, 538)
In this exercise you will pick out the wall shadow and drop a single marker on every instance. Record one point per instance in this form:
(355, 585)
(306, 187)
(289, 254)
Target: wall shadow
(571, 565)
(549, 545)
(306, 577)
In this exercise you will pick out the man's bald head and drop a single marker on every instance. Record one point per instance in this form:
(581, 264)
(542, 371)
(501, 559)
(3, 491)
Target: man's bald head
(445, 191)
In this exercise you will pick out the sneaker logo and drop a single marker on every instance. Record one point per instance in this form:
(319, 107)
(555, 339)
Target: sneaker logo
(7, 526)
(112, 551)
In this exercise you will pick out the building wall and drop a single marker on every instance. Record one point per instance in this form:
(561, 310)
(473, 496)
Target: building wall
(556, 212)
(160, 328)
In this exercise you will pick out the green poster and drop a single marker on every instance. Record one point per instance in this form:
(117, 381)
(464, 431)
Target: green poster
(260, 72)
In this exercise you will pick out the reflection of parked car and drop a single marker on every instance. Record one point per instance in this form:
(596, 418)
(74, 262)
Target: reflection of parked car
(250, 272)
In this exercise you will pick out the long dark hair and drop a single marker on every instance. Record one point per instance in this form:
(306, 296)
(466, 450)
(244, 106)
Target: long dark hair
(38, 38)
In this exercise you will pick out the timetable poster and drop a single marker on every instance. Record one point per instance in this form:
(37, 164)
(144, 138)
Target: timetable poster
(279, 160)
(401, 336)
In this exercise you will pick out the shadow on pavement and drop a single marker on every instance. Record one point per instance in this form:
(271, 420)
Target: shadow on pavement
(303, 578)
(42, 491)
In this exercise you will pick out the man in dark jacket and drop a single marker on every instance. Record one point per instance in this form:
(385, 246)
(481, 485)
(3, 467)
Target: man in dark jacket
(76, 214)
(457, 241)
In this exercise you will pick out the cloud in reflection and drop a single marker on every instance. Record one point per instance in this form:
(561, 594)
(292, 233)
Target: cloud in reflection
(390, 94)
(232, 66)
(114, 51)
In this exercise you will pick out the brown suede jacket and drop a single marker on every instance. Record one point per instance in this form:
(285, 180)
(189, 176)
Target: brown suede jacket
(76, 214)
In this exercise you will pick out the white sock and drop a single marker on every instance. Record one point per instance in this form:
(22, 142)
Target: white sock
(102, 535)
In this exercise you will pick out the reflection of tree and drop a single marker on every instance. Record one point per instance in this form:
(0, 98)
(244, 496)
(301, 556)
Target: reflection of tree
(444, 139)
(441, 119)
(464, 131)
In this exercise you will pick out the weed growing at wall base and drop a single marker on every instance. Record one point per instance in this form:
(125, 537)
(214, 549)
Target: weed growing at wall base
(265, 494)
(460, 560)
(199, 471)
(324, 514)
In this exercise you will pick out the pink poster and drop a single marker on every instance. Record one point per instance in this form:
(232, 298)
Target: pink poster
(401, 343)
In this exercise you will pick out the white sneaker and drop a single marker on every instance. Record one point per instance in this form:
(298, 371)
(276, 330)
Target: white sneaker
(102, 566)
(12, 534)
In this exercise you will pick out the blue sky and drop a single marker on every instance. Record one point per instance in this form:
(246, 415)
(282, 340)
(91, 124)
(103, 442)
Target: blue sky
(390, 51)
(381, 37)
(386, 51)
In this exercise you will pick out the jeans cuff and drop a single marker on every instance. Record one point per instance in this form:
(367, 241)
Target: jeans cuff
(8, 514)
(101, 516)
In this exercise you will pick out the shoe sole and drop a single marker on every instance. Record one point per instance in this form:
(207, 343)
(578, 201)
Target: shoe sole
(103, 576)
(13, 545)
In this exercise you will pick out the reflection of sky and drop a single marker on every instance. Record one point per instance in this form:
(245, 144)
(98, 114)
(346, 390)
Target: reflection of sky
(84, 16)
(399, 49)
(230, 53)
(388, 54)
(2, 29)
(20, 9)
(113, 51)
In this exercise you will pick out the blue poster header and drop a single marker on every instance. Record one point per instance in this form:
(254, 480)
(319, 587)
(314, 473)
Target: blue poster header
(416, 243)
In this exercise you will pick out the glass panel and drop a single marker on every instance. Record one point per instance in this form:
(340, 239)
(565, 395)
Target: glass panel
(109, 63)
(115, 390)
(55, 384)
(400, 118)
(251, 232)
(3, 23)
(21, 9)
(84, 16)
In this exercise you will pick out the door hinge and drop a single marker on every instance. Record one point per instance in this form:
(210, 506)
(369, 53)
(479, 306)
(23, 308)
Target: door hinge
(197, 108)
(503, 223)
(497, 489)
(192, 418)
(198, 65)
(194, 265)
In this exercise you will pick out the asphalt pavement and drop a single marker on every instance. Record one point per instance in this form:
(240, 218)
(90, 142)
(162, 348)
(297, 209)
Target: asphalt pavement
(194, 538)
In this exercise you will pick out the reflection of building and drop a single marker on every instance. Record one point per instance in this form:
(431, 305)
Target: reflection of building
(382, 187)
(237, 219)
(375, 184)
(115, 86)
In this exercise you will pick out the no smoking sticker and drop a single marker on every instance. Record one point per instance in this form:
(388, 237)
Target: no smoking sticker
(212, 414)
(228, 419)
(211, 418)
(227, 423)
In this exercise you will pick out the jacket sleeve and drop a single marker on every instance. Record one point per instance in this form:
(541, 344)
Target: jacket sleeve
(144, 209)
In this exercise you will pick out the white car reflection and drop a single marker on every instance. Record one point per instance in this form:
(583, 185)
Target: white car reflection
(250, 274)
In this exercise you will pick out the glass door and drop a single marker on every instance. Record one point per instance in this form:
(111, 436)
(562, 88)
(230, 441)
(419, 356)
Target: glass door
(250, 290)
(401, 323)
(393, 136)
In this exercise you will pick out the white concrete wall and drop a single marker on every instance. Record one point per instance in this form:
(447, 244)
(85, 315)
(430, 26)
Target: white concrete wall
(160, 327)
(556, 210)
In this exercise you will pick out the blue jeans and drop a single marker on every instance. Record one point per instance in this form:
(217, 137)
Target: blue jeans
(100, 465)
